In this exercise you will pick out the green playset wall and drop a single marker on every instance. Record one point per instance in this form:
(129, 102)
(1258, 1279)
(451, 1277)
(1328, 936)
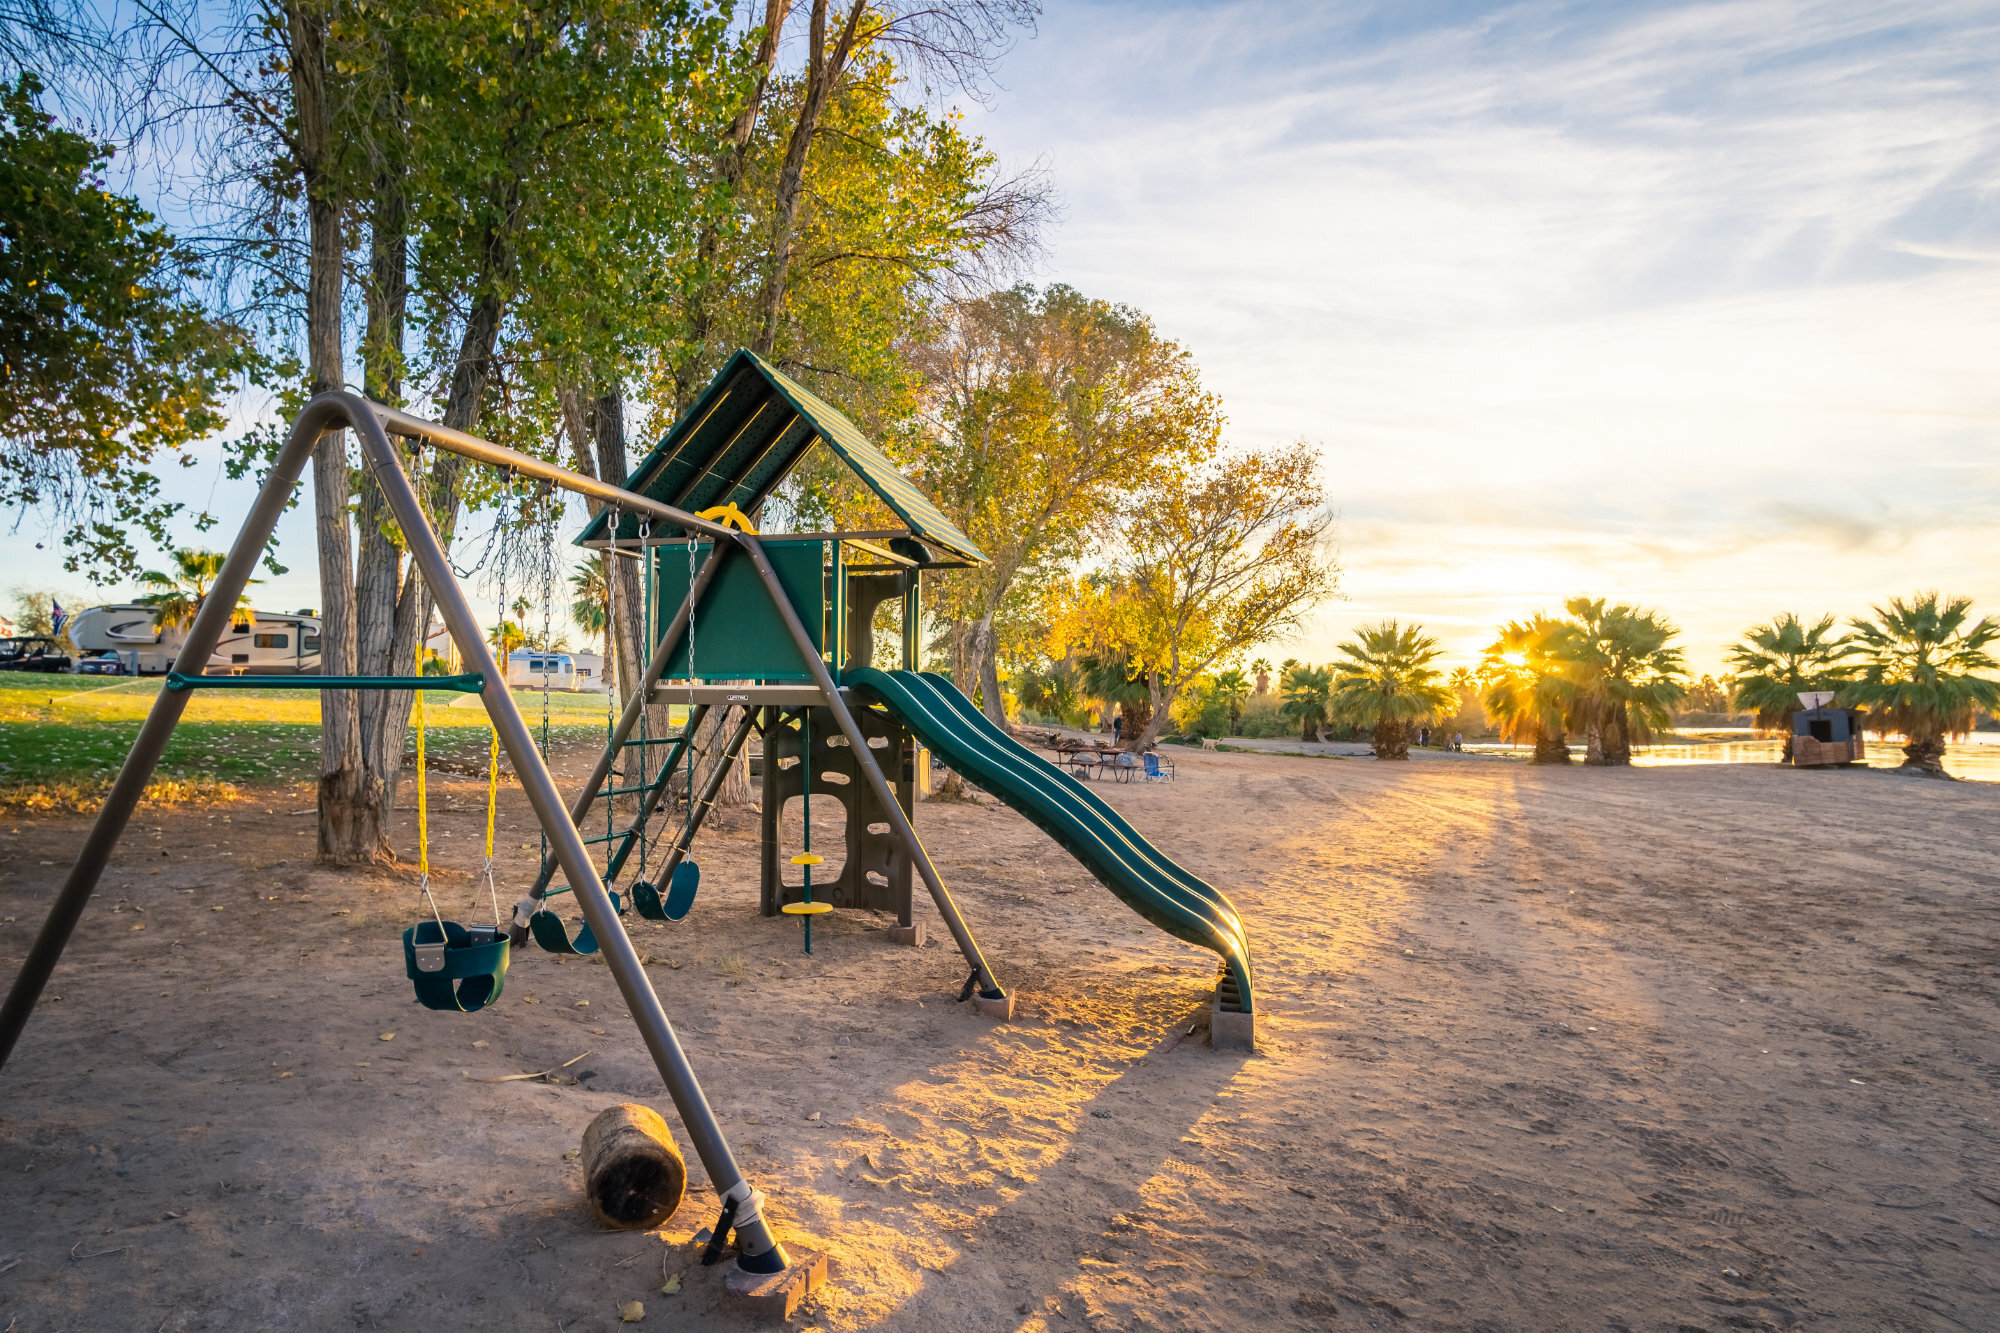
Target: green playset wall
(738, 634)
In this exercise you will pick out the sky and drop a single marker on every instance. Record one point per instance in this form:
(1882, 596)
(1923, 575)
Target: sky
(1694, 306)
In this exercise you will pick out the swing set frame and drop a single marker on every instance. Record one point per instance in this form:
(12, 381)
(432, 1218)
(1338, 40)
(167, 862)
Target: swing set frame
(760, 1256)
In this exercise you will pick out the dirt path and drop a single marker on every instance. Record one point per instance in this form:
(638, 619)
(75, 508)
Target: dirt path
(1699, 1048)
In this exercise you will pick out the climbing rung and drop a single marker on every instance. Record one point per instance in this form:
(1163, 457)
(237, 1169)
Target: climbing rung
(622, 791)
(657, 740)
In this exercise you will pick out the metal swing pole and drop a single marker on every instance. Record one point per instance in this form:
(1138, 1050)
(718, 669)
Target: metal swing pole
(865, 758)
(324, 413)
(754, 1239)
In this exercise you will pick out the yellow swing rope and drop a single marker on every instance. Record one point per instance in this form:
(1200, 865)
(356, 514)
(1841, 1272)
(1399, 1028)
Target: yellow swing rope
(423, 820)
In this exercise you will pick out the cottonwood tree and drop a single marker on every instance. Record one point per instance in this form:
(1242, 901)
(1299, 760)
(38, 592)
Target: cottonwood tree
(1043, 409)
(107, 363)
(1216, 559)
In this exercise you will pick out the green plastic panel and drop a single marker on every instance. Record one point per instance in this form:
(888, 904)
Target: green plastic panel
(738, 634)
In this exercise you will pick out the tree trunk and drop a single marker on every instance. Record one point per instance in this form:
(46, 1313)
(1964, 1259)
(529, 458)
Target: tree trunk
(965, 661)
(1145, 720)
(1551, 747)
(823, 71)
(378, 584)
(986, 649)
(1617, 738)
(1392, 739)
(349, 830)
(1926, 755)
(1593, 735)
(689, 372)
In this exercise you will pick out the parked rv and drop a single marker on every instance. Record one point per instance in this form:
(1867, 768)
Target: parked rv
(529, 669)
(257, 643)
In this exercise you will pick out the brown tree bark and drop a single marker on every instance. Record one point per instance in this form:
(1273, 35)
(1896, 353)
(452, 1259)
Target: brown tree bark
(823, 71)
(1551, 747)
(691, 371)
(1392, 740)
(378, 579)
(348, 828)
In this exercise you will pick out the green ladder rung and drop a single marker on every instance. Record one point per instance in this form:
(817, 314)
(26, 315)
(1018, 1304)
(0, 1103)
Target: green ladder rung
(626, 791)
(471, 683)
(609, 837)
(656, 740)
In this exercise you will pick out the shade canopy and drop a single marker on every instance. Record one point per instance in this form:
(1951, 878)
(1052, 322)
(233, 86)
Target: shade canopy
(743, 437)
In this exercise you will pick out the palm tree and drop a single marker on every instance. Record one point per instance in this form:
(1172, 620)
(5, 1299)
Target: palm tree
(1388, 682)
(1775, 662)
(1628, 676)
(1918, 660)
(1529, 690)
(1111, 681)
(505, 638)
(1307, 692)
(1233, 688)
(183, 588)
(1261, 669)
(590, 605)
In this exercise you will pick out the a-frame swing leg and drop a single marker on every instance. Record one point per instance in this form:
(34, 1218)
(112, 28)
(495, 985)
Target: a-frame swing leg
(993, 1001)
(327, 412)
(759, 1251)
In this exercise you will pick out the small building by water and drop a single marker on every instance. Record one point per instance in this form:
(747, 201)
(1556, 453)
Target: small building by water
(1823, 735)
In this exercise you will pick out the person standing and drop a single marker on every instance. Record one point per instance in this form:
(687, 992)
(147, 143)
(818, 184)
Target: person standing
(1118, 728)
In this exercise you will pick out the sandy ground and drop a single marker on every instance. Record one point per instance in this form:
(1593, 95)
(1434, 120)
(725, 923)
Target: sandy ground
(1670, 1049)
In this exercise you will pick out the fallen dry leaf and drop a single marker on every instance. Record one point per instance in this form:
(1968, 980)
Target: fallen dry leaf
(672, 1286)
(387, 1036)
(631, 1312)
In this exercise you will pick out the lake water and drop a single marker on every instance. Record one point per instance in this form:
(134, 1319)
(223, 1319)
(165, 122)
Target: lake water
(1976, 757)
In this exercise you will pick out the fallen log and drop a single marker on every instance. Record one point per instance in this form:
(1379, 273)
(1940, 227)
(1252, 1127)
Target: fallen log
(633, 1174)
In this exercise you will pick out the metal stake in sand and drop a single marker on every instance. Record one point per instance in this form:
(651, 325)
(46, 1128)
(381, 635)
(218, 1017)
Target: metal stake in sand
(807, 908)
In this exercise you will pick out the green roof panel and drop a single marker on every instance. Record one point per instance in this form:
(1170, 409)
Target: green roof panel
(745, 434)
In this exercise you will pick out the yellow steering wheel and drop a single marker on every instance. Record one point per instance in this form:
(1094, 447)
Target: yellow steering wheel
(729, 516)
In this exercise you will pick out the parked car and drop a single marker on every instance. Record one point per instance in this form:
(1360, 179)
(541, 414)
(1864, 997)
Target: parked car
(102, 664)
(33, 653)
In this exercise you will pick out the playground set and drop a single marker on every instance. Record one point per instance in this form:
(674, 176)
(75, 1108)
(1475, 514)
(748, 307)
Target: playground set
(772, 635)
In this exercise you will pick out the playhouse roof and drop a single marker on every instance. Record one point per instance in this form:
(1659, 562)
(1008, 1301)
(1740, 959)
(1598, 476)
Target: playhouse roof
(747, 431)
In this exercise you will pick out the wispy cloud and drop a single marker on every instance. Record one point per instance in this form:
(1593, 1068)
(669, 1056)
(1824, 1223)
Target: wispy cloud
(1690, 304)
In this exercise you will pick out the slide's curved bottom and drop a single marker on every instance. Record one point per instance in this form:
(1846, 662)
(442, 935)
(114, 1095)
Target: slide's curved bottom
(1145, 879)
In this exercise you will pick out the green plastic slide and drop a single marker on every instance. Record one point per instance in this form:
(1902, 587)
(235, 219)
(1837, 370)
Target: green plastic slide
(1150, 883)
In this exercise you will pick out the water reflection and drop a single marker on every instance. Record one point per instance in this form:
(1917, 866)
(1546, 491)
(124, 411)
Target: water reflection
(1977, 757)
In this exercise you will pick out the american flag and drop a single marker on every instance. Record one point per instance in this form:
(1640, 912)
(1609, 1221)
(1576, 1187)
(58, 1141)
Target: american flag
(57, 616)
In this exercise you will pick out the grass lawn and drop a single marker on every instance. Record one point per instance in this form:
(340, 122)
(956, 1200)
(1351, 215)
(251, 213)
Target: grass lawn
(63, 738)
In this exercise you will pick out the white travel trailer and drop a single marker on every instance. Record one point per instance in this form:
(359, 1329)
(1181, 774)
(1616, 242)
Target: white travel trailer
(257, 643)
(528, 669)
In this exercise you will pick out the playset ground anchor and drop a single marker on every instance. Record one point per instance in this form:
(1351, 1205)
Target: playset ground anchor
(777, 1295)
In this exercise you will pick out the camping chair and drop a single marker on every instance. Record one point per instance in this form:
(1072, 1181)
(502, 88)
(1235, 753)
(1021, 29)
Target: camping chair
(1159, 770)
